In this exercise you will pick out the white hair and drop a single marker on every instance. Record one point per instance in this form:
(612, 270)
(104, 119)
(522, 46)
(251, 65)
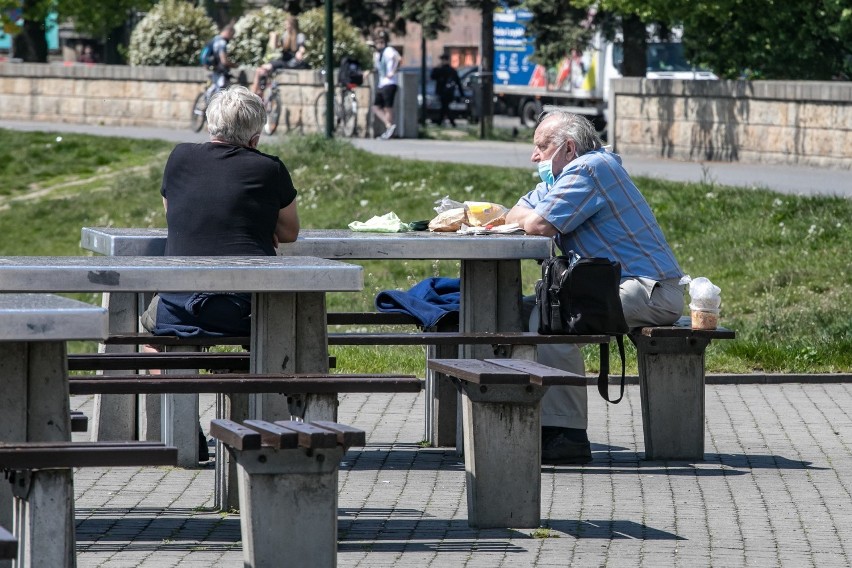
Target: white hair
(569, 126)
(235, 115)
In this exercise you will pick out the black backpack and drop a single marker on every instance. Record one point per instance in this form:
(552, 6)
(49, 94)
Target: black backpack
(580, 296)
(350, 72)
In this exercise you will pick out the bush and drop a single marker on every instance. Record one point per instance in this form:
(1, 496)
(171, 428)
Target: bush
(347, 40)
(252, 35)
(172, 34)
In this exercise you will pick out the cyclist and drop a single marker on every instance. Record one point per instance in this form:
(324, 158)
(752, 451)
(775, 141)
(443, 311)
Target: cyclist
(292, 53)
(220, 74)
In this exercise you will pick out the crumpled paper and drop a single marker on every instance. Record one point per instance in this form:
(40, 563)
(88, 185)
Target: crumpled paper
(387, 223)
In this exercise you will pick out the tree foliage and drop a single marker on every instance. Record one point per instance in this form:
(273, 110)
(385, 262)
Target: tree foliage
(347, 39)
(432, 15)
(771, 39)
(172, 33)
(558, 27)
(252, 35)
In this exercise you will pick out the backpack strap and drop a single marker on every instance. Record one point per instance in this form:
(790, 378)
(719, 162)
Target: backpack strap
(603, 377)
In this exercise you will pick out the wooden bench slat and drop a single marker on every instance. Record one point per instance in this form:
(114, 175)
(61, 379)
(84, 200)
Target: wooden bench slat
(177, 360)
(8, 545)
(310, 436)
(347, 436)
(541, 374)
(480, 372)
(273, 435)
(147, 338)
(370, 318)
(683, 328)
(31, 455)
(234, 434)
(461, 338)
(241, 383)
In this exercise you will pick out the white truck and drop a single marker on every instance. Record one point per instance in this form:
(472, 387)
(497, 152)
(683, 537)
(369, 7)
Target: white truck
(579, 83)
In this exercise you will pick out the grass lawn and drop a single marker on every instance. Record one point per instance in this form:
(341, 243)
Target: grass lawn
(782, 261)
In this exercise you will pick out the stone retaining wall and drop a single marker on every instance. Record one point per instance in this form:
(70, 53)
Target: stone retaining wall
(780, 122)
(116, 95)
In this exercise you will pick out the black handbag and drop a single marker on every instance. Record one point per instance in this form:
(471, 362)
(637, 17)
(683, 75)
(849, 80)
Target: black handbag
(580, 296)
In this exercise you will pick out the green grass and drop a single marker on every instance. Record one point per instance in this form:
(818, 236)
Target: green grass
(782, 261)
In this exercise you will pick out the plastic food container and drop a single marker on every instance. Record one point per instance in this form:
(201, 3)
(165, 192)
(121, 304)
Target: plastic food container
(705, 318)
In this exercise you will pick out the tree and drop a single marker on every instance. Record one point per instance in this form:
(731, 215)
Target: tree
(97, 18)
(172, 33)
(347, 39)
(771, 39)
(252, 35)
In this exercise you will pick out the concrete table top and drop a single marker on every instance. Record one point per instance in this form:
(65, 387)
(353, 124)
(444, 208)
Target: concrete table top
(45, 317)
(345, 244)
(176, 274)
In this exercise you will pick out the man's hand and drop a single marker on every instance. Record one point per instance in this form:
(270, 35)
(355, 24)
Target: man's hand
(531, 222)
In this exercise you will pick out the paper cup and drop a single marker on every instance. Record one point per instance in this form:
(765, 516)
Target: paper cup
(705, 319)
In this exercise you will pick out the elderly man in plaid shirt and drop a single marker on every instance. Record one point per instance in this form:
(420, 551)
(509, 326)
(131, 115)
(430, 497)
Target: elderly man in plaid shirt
(587, 203)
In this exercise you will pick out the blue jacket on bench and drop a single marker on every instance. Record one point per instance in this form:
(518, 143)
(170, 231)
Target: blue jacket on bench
(430, 300)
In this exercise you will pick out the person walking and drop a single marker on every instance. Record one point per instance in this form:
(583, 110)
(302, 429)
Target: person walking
(386, 61)
(447, 83)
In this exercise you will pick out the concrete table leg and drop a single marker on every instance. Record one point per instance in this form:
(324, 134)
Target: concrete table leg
(280, 525)
(33, 401)
(289, 335)
(180, 419)
(671, 386)
(490, 301)
(502, 440)
(44, 518)
(114, 415)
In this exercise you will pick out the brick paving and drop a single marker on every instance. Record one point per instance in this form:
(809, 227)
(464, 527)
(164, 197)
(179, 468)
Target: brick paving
(774, 490)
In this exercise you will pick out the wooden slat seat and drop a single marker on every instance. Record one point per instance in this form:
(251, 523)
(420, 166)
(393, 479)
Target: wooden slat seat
(169, 360)
(501, 400)
(505, 372)
(38, 455)
(288, 480)
(285, 434)
(242, 383)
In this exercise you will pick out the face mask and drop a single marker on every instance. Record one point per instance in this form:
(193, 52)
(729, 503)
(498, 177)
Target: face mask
(545, 169)
(545, 172)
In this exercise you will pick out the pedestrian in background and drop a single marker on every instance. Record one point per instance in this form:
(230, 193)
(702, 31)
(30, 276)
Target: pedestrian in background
(386, 62)
(447, 82)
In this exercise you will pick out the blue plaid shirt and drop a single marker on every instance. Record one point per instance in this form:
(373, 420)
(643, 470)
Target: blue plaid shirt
(599, 212)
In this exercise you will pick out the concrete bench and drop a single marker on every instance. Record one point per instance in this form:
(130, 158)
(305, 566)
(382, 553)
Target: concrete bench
(671, 385)
(34, 329)
(288, 488)
(41, 480)
(294, 387)
(501, 403)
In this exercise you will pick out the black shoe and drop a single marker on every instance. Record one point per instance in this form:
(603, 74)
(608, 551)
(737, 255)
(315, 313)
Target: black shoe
(564, 446)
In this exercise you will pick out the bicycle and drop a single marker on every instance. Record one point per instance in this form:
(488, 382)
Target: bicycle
(345, 109)
(199, 107)
(272, 101)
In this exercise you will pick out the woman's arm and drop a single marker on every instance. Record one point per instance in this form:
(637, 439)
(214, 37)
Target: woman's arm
(287, 227)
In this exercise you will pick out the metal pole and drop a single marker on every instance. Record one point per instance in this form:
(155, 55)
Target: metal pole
(329, 70)
(486, 66)
(423, 106)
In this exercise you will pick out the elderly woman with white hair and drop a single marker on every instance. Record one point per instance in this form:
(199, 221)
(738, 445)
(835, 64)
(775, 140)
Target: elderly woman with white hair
(222, 198)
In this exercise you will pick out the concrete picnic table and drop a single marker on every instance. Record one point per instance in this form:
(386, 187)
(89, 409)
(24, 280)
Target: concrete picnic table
(288, 331)
(34, 406)
(490, 271)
